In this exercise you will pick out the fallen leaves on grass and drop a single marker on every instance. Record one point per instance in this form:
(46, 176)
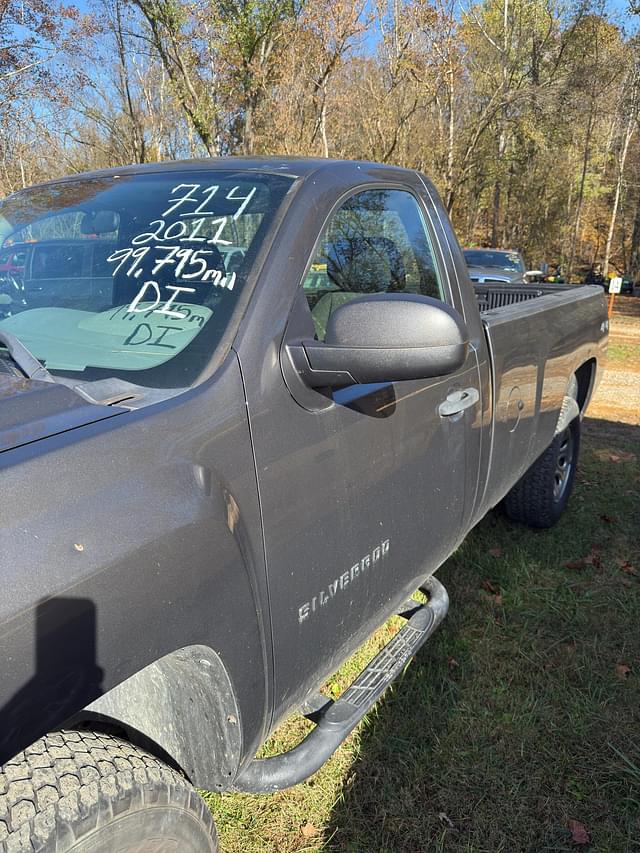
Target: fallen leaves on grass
(576, 565)
(496, 552)
(494, 591)
(626, 567)
(453, 663)
(444, 818)
(622, 671)
(593, 558)
(579, 834)
(608, 519)
(308, 830)
(615, 456)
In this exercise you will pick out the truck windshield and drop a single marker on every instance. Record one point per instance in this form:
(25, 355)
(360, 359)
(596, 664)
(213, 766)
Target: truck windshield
(131, 276)
(510, 261)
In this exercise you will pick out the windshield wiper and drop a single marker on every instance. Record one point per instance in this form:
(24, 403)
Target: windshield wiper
(24, 358)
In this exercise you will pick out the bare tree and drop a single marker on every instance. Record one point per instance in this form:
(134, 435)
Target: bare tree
(630, 106)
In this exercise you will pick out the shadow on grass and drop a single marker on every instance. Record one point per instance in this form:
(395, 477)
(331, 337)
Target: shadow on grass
(518, 716)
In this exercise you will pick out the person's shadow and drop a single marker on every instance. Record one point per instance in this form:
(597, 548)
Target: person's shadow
(66, 675)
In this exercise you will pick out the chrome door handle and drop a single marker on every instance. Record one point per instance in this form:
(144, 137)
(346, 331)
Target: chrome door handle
(458, 401)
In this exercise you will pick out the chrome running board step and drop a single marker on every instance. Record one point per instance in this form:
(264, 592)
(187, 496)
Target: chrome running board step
(335, 720)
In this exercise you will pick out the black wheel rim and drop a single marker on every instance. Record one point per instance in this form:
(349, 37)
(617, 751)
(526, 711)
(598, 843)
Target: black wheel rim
(564, 465)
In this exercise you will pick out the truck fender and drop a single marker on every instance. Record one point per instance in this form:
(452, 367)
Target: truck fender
(184, 703)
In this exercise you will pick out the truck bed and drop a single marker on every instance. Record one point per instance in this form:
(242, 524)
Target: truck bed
(532, 348)
(492, 296)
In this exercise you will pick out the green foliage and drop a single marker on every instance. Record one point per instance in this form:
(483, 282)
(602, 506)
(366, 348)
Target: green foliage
(167, 13)
(247, 22)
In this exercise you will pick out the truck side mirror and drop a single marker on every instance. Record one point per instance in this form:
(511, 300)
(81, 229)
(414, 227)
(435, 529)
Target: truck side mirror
(384, 337)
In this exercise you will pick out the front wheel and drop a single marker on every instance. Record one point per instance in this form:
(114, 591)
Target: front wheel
(541, 495)
(93, 793)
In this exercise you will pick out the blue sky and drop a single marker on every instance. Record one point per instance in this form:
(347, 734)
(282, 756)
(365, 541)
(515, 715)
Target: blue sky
(617, 8)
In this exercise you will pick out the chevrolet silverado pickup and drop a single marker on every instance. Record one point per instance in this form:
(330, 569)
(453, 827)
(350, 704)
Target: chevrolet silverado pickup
(247, 408)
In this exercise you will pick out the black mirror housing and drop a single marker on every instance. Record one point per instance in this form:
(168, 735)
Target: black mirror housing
(385, 337)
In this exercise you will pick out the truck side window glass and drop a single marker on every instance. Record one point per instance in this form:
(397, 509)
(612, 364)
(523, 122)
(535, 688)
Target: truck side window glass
(377, 242)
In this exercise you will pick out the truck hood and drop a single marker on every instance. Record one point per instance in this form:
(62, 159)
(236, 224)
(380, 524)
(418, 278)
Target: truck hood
(491, 275)
(31, 410)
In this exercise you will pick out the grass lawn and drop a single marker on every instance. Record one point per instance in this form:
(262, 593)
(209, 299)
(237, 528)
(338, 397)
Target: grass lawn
(520, 715)
(624, 353)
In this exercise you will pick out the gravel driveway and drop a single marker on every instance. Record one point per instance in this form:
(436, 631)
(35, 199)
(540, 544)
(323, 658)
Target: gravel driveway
(618, 396)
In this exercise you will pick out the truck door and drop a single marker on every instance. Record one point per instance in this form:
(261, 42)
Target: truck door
(363, 490)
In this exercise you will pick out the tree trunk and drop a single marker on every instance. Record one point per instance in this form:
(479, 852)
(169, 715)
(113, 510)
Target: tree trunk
(138, 143)
(502, 138)
(616, 200)
(634, 252)
(323, 125)
(450, 141)
(580, 199)
(495, 219)
(247, 134)
(170, 54)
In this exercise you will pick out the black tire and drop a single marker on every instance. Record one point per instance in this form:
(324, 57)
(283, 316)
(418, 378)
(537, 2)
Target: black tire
(541, 495)
(93, 793)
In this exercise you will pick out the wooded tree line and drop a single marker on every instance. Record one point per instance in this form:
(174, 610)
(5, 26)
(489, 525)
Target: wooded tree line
(524, 112)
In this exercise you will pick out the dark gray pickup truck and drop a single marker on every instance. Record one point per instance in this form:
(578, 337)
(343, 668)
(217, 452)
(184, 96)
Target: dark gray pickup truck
(247, 408)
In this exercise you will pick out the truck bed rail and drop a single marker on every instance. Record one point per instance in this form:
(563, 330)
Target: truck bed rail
(491, 296)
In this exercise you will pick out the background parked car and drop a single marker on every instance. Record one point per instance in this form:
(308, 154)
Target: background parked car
(502, 266)
(627, 285)
(12, 261)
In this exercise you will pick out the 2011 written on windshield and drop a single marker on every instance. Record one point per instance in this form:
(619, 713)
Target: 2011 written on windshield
(153, 248)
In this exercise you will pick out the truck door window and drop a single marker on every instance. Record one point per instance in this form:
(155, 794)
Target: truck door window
(376, 242)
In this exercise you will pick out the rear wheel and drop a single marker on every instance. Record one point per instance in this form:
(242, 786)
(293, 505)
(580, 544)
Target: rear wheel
(93, 793)
(540, 497)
